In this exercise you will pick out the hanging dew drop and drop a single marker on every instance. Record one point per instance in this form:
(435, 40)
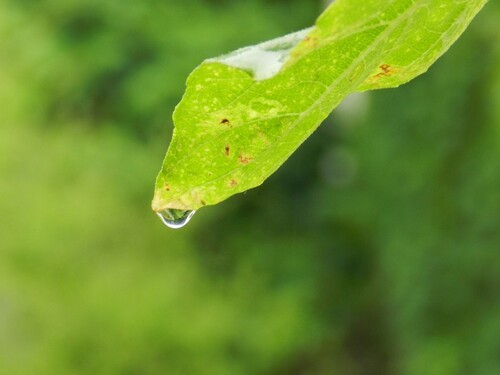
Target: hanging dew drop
(175, 218)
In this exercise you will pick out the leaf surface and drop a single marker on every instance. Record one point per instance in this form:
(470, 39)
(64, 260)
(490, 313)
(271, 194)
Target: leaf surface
(245, 113)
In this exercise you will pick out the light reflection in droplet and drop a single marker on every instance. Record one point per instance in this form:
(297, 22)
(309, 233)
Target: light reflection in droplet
(175, 219)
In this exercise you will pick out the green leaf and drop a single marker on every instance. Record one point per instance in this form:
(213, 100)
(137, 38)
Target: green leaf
(244, 114)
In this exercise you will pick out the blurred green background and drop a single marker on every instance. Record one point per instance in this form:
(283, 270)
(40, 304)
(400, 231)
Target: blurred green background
(373, 250)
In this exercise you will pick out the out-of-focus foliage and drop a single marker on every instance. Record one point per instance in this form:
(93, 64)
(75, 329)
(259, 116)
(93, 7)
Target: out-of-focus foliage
(375, 251)
(125, 61)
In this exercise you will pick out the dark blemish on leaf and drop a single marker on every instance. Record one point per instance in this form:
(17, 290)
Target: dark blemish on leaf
(385, 68)
(203, 202)
(226, 149)
(233, 182)
(226, 122)
(386, 71)
(244, 159)
(167, 187)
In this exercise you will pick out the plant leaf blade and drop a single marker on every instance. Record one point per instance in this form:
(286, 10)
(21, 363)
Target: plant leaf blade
(245, 113)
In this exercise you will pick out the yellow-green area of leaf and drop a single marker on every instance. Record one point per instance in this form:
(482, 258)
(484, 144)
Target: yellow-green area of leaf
(245, 113)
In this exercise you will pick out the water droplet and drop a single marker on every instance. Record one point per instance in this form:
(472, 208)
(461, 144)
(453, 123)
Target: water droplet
(175, 218)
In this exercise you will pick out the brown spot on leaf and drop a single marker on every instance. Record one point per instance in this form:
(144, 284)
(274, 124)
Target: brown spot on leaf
(386, 68)
(203, 202)
(167, 187)
(386, 71)
(244, 159)
(224, 121)
(226, 150)
(311, 41)
(233, 182)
